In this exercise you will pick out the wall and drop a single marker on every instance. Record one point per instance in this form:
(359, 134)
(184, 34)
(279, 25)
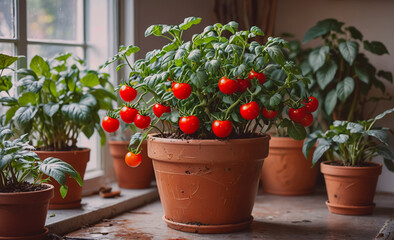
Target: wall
(373, 18)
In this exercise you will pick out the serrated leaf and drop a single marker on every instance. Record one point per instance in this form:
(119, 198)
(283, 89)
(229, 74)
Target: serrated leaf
(330, 102)
(326, 74)
(345, 88)
(276, 54)
(349, 50)
(317, 57)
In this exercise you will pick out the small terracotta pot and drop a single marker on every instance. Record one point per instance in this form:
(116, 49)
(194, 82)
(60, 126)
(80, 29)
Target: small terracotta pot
(23, 214)
(286, 171)
(78, 159)
(129, 177)
(351, 190)
(208, 186)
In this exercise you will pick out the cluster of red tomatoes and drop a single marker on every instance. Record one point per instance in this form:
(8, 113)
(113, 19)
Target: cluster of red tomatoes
(303, 115)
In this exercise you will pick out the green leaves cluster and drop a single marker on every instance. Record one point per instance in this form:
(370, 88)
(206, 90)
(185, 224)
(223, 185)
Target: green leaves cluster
(352, 143)
(58, 99)
(17, 162)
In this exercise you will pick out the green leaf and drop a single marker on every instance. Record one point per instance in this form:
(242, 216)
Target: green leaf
(212, 66)
(385, 151)
(30, 84)
(354, 127)
(380, 116)
(275, 100)
(362, 74)
(27, 98)
(195, 55)
(90, 80)
(135, 139)
(307, 146)
(330, 102)
(296, 131)
(5, 83)
(10, 114)
(129, 50)
(355, 33)
(326, 74)
(88, 100)
(40, 66)
(375, 47)
(305, 68)
(6, 61)
(341, 138)
(257, 31)
(199, 78)
(58, 169)
(314, 32)
(63, 56)
(379, 134)
(389, 164)
(276, 54)
(345, 88)
(349, 50)
(51, 108)
(154, 29)
(188, 22)
(77, 112)
(52, 88)
(331, 24)
(384, 74)
(63, 190)
(228, 99)
(24, 115)
(319, 151)
(317, 57)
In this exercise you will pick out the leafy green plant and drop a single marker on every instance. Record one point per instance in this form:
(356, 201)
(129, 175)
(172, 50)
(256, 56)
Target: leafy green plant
(214, 86)
(341, 74)
(18, 162)
(352, 142)
(57, 100)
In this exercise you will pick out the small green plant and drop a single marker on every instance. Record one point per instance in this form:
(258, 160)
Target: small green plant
(352, 143)
(57, 100)
(18, 163)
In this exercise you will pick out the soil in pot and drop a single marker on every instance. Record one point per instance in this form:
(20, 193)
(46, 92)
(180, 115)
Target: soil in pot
(286, 171)
(23, 214)
(351, 190)
(129, 177)
(208, 186)
(77, 159)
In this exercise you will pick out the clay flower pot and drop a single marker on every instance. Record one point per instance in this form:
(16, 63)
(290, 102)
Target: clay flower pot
(128, 177)
(78, 159)
(351, 190)
(286, 171)
(23, 214)
(208, 186)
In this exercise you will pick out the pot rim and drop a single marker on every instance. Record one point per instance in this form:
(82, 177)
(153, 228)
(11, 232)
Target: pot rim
(2, 194)
(349, 171)
(81, 150)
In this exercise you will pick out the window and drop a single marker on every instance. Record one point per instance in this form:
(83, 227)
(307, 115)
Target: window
(86, 28)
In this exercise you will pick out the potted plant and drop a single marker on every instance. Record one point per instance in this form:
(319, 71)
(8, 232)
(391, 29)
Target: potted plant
(350, 175)
(209, 146)
(58, 100)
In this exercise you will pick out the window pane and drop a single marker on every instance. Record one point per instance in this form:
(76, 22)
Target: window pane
(7, 19)
(55, 20)
(49, 51)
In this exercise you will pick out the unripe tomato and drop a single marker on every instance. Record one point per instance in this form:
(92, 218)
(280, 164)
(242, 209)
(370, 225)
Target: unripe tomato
(307, 120)
(258, 76)
(269, 114)
(159, 109)
(250, 110)
(311, 104)
(132, 159)
(127, 93)
(181, 90)
(228, 86)
(142, 121)
(128, 114)
(243, 84)
(222, 129)
(110, 124)
(297, 114)
(189, 125)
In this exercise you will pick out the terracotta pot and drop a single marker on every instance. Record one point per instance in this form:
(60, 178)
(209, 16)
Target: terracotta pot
(208, 186)
(23, 214)
(78, 159)
(129, 177)
(351, 190)
(286, 171)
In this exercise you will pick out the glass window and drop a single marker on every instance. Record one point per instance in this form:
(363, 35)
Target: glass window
(49, 51)
(7, 19)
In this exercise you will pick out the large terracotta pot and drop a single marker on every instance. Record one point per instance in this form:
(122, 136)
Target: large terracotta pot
(286, 171)
(128, 177)
(351, 190)
(208, 186)
(78, 159)
(23, 214)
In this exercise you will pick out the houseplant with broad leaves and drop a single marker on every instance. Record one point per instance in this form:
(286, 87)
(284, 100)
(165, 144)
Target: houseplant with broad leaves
(206, 98)
(350, 175)
(341, 74)
(58, 99)
(24, 204)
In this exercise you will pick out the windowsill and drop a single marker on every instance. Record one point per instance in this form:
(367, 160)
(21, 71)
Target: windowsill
(94, 208)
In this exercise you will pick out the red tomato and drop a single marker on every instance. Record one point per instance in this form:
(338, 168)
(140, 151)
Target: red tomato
(189, 125)
(222, 128)
(127, 93)
(128, 114)
(307, 120)
(132, 159)
(110, 124)
(181, 90)
(297, 114)
(243, 84)
(141, 121)
(159, 109)
(250, 110)
(258, 76)
(228, 86)
(269, 114)
(311, 104)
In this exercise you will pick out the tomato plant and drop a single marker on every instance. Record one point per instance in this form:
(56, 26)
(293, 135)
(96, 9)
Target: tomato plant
(127, 93)
(133, 159)
(222, 129)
